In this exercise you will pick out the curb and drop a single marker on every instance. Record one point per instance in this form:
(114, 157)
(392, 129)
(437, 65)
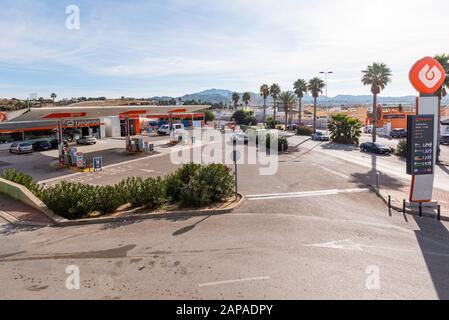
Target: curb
(155, 216)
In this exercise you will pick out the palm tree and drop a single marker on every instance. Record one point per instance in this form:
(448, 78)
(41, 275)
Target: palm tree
(300, 87)
(288, 100)
(378, 76)
(53, 96)
(275, 91)
(443, 59)
(315, 87)
(264, 93)
(246, 98)
(235, 99)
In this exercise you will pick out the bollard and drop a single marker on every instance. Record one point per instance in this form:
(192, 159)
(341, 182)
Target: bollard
(378, 182)
(439, 213)
(389, 202)
(403, 207)
(420, 209)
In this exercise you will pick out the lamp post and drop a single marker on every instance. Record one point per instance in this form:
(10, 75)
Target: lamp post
(326, 74)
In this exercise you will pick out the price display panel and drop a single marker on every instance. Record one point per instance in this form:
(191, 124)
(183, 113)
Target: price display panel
(420, 145)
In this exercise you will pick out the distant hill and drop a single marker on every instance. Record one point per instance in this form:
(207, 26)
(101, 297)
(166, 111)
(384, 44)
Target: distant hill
(225, 96)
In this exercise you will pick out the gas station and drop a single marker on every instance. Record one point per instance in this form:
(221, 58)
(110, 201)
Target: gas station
(84, 116)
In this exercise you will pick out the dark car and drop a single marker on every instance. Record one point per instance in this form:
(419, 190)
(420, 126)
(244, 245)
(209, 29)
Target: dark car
(54, 143)
(375, 148)
(444, 140)
(42, 146)
(398, 133)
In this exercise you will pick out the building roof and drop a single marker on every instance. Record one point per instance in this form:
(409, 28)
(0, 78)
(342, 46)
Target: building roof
(89, 112)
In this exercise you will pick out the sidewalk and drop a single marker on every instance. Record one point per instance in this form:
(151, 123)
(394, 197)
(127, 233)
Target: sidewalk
(16, 212)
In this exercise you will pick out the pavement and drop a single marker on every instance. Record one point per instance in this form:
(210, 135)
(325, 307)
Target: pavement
(15, 211)
(312, 231)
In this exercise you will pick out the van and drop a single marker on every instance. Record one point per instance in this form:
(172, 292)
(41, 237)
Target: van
(164, 130)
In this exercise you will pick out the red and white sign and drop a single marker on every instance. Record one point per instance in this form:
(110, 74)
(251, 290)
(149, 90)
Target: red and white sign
(427, 75)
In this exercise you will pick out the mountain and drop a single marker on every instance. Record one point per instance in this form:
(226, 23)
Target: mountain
(225, 96)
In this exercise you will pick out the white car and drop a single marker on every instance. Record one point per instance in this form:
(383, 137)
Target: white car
(21, 147)
(86, 140)
(368, 129)
(164, 130)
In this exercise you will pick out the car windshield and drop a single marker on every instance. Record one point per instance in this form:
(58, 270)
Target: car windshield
(26, 144)
(379, 145)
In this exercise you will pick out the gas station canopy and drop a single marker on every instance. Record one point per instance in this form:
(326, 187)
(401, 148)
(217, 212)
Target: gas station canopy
(87, 112)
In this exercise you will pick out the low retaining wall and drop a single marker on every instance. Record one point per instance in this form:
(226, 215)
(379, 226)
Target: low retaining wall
(22, 194)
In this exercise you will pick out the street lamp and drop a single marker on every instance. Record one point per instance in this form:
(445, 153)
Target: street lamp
(326, 73)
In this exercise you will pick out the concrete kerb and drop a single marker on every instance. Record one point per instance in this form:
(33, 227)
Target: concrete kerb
(154, 216)
(22, 194)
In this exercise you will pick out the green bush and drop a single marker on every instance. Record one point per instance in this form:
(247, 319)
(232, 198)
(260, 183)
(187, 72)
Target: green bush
(401, 149)
(304, 131)
(149, 193)
(271, 124)
(70, 200)
(22, 179)
(282, 143)
(242, 117)
(211, 184)
(107, 199)
(175, 182)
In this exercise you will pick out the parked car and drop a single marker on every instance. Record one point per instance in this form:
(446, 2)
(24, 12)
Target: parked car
(368, 129)
(320, 136)
(164, 130)
(377, 148)
(42, 146)
(21, 147)
(239, 137)
(444, 140)
(54, 143)
(86, 140)
(398, 133)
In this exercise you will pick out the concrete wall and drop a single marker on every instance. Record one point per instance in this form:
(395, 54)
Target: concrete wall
(112, 127)
(22, 194)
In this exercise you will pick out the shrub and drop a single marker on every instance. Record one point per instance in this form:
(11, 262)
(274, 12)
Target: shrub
(149, 193)
(107, 199)
(22, 179)
(401, 149)
(304, 131)
(271, 124)
(175, 182)
(70, 200)
(282, 143)
(242, 117)
(344, 130)
(211, 184)
(209, 116)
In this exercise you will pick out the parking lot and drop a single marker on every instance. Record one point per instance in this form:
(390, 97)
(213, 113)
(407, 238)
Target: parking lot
(44, 165)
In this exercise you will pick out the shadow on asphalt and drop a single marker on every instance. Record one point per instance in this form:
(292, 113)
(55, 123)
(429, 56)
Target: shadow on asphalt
(433, 238)
(11, 229)
(340, 147)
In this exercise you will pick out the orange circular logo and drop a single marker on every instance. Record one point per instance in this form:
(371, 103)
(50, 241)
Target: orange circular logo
(2, 116)
(427, 75)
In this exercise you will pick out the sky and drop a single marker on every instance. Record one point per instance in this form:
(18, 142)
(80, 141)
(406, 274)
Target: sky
(138, 48)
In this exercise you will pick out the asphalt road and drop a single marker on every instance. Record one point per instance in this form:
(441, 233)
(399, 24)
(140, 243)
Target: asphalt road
(312, 231)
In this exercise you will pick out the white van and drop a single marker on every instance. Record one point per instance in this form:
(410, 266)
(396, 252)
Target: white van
(164, 130)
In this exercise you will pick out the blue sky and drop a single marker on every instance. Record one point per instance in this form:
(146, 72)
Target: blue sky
(173, 47)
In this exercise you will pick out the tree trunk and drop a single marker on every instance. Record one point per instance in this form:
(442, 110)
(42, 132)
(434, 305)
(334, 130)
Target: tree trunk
(314, 115)
(274, 113)
(375, 118)
(300, 112)
(286, 115)
(290, 116)
(264, 110)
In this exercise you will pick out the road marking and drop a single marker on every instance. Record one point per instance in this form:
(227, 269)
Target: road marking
(305, 194)
(217, 283)
(332, 171)
(341, 245)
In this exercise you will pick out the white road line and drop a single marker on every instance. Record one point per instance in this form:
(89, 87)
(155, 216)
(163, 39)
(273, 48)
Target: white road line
(305, 194)
(333, 171)
(217, 283)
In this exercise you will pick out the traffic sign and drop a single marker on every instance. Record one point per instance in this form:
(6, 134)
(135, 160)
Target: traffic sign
(427, 75)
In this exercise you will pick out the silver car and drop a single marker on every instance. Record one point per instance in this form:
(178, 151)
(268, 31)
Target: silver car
(86, 140)
(21, 147)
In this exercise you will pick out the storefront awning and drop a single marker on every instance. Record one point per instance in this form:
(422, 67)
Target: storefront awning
(86, 112)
